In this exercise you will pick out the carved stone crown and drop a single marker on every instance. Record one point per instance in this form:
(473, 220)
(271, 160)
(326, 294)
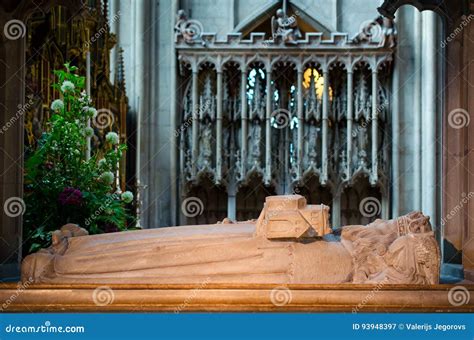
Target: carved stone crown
(414, 222)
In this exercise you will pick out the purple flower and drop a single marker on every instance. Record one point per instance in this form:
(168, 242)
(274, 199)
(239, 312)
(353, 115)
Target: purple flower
(70, 196)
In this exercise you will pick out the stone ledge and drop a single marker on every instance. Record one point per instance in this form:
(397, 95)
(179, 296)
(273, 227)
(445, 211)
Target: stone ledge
(234, 298)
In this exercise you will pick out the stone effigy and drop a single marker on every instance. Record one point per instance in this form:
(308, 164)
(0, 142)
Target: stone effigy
(291, 242)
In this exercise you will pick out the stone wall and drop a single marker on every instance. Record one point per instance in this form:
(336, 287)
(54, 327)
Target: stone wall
(158, 118)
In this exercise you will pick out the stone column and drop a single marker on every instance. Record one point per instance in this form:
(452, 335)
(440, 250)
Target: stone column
(268, 134)
(195, 126)
(395, 142)
(219, 123)
(138, 36)
(324, 148)
(300, 68)
(375, 125)
(244, 119)
(174, 125)
(350, 109)
(417, 96)
(114, 9)
(429, 143)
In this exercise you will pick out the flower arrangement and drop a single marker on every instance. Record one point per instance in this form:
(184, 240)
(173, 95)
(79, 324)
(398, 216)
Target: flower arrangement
(61, 184)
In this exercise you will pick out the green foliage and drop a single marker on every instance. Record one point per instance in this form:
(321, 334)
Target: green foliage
(61, 185)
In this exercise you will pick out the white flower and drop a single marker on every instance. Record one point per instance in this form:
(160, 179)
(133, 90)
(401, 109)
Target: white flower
(107, 177)
(127, 197)
(67, 86)
(57, 105)
(84, 98)
(102, 163)
(112, 138)
(88, 132)
(90, 111)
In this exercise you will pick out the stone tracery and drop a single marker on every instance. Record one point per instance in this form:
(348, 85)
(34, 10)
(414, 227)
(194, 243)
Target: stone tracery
(316, 108)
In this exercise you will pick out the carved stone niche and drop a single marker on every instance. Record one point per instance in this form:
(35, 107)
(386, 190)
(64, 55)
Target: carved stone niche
(289, 243)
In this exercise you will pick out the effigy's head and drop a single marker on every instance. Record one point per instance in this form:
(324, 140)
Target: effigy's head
(413, 223)
(290, 217)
